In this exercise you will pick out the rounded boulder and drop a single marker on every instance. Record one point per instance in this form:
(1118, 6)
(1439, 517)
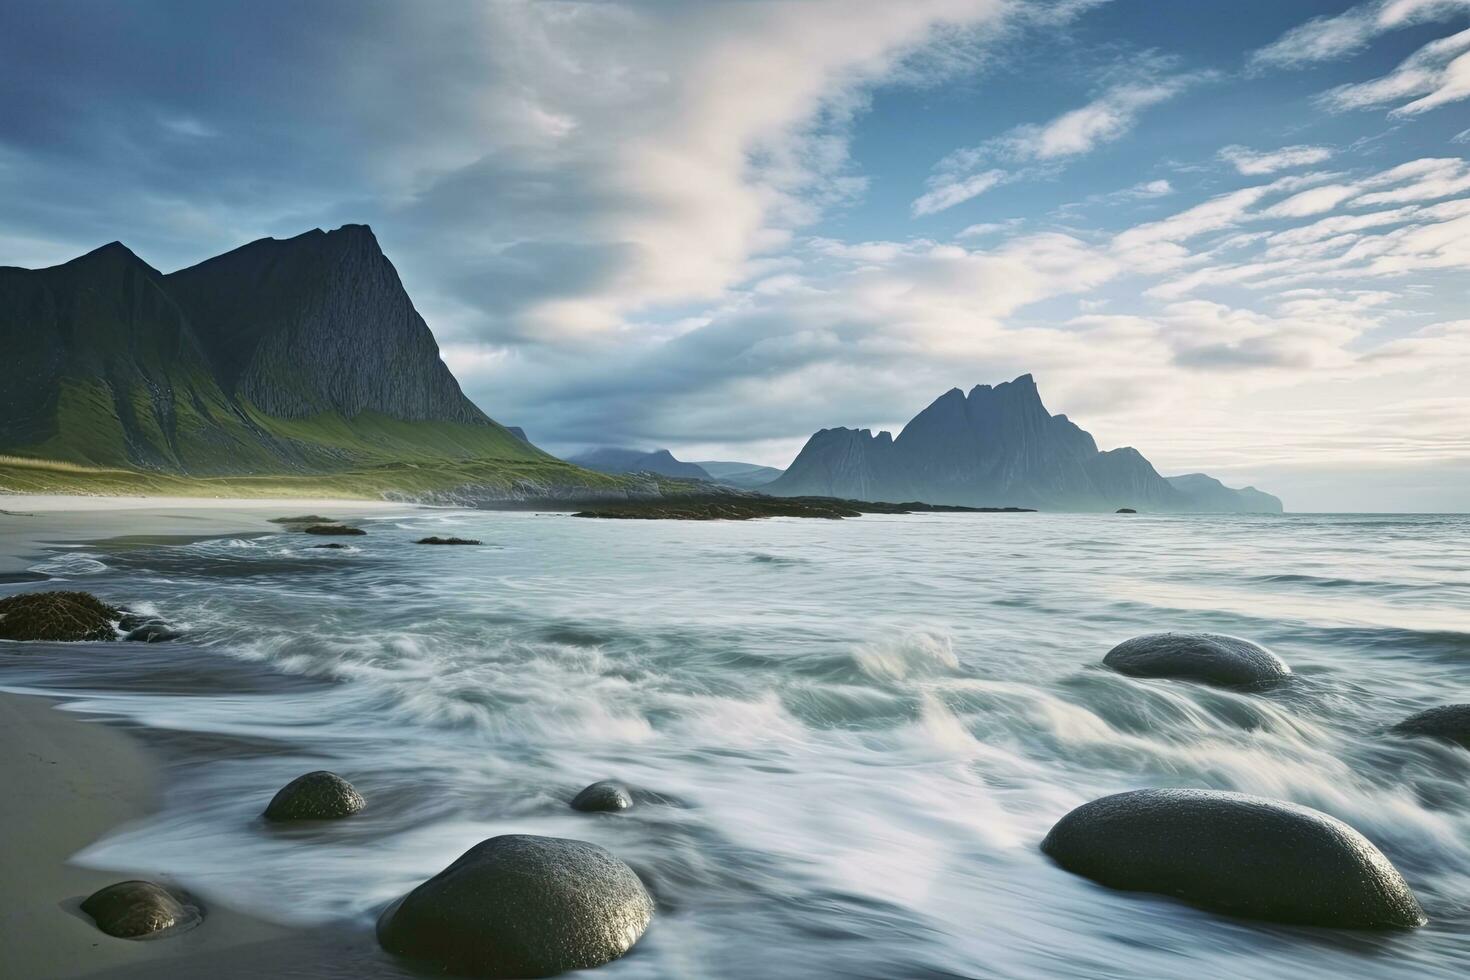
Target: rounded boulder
(1449, 722)
(604, 797)
(139, 910)
(1211, 658)
(521, 906)
(1237, 854)
(57, 616)
(317, 795)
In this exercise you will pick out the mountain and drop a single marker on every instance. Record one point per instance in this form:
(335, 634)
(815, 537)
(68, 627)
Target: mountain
(997, 447)
(302, 355)
(745, 476)
(1209, 494)
(660, 461)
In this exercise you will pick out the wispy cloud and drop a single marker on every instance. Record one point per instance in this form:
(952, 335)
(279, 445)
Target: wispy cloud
(1435, 75)
(948, 193)
(1108, 117)
(1252, 163)
(985, 228)
(1338, 36)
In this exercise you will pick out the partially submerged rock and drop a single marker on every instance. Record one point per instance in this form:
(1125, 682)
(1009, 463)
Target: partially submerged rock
(521, 906)
(1237, 854)
(333, 529)
(603, 797)
(437, 540)
(1212, 658)
(319, 795)
(1126, 510)
(57, 616)
(1448, 722)
(304, 519)
(140, 910)
(330, 545)
(152, 632)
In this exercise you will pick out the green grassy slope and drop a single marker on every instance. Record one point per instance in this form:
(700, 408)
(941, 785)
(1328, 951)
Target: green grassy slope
(432, 480)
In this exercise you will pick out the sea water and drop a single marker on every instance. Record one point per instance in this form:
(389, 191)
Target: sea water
(849, 737)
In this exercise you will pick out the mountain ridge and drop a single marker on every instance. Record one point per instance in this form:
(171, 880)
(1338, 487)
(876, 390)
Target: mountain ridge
(291, 355)
(997, 446)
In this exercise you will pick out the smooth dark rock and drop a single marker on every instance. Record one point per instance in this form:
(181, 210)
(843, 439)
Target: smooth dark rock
(1126, 510)
(57, 616)
(139, 910)
(304, 519)
(1237, 854)
(332, 545)
(604, 797)
(334, 529)
(317, 795)
(435, 540)
(1212, 658)
(521, 906)
(1449, 722)
(157, 632)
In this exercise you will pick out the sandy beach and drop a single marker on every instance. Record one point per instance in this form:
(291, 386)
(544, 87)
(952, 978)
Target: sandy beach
(71, 779)
(30, 522)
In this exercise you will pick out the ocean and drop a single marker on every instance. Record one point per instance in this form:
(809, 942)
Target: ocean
(848, 738)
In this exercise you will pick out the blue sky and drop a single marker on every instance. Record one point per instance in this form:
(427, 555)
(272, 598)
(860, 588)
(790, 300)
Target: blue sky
(1233, 234)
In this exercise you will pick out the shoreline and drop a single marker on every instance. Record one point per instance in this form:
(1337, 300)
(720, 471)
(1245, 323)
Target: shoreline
(32, 523)
(70, 781)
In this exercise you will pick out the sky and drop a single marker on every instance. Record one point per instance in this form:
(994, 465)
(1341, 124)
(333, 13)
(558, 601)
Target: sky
(1234, 234)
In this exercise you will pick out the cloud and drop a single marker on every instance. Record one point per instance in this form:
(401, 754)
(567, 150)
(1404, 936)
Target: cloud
(985, 228)
(1338, 36)
(1108, 117)
(1103, 120)
(1309, 202)
(1438, 74)
(1414, 237)
(948, 193)
(1253, 164)
(654, 153)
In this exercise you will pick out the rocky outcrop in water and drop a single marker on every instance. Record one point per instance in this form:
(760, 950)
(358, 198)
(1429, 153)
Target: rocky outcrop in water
(603, 797)
(997, 447)
(438, 540)
(733, 505)
(339, 530)
(57, 616)
(1237, 854)
(317, 795)
(1448, 723)
(1211, 658)
(140, 910)
(521, 906)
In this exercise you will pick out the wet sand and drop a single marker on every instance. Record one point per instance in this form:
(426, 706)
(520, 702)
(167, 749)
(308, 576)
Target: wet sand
(30, 522)
(69, 780)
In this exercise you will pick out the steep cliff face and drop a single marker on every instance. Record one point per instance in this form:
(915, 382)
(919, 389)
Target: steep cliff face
(279, 357)
(996, 446)
(320, 323)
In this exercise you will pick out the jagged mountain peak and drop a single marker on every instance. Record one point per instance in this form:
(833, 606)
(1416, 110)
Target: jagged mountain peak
(303, 352)
(113, 256)
(997, 446)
